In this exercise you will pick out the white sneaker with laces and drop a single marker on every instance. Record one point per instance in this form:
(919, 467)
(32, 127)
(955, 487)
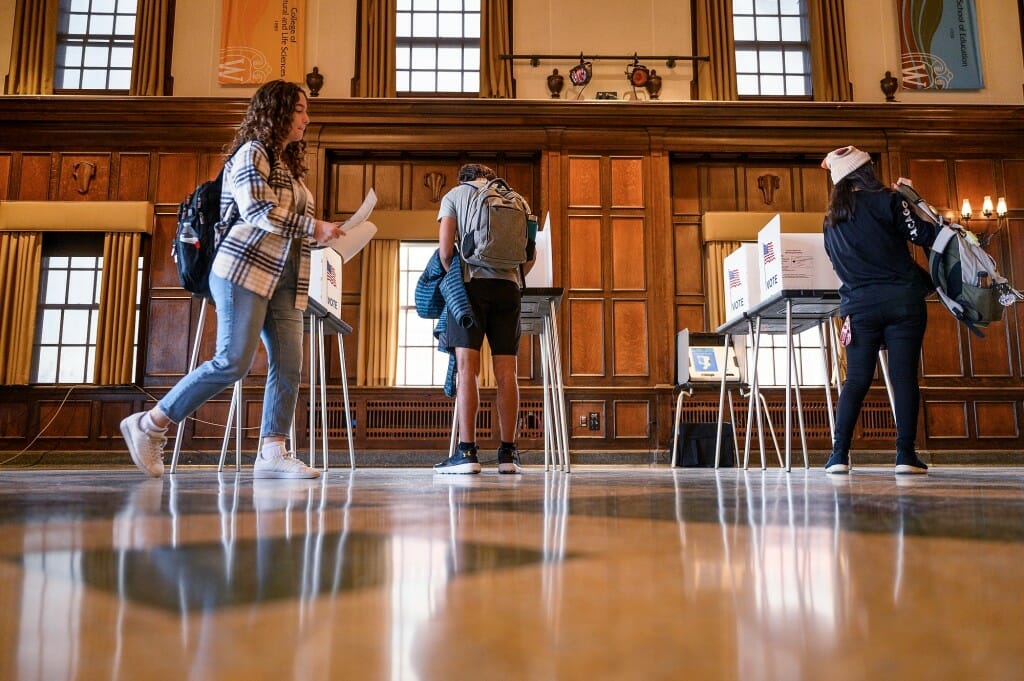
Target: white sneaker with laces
(274, 461)
(147, 449)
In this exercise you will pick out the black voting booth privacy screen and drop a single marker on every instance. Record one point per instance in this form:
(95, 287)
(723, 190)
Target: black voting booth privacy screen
(695, 446)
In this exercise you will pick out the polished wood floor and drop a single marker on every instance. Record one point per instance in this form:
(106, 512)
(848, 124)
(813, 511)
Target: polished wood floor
(604, 573)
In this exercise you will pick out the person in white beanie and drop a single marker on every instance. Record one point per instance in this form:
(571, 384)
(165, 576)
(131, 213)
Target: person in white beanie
(867, 226)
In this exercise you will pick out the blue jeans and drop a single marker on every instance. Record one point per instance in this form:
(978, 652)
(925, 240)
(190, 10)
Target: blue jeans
(901, 329)
(243, 318)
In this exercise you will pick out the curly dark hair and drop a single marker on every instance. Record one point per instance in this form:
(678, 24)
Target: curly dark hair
(269, 120)
(474, 171)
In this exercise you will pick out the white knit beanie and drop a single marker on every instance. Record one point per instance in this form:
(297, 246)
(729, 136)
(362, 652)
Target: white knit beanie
(844, 161)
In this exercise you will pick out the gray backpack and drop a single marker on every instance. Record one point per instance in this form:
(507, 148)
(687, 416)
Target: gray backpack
(964, 274)
(494, 234)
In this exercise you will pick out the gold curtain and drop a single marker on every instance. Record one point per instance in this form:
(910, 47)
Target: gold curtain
(115, 338)
(149, 56)
(377, 356)
(375, 72)
(495, 40)
(487, 379)
(21, 257)
(829, 64)
(716, 80)
(33, 48)
(714, 256)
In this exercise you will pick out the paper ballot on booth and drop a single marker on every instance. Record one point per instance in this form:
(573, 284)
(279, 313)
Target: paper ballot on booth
(358, 230)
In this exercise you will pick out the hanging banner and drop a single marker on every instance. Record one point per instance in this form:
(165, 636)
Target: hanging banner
(939, 45)
(261, 40)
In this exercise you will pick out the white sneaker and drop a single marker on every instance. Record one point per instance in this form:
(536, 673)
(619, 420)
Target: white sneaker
(147, 449)
(274, 461)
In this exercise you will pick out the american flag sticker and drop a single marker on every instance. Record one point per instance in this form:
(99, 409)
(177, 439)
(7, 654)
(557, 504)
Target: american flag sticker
(734, 278)
(768, 252)
(332, 275)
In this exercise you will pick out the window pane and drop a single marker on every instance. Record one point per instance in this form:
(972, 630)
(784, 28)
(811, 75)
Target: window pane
(743, 6)
(46, 371)
(418, 369)
(772, 85)
(80, 290)
(471, 25)
(746, 61)
(797, 85)
(449, 82)
(795, 62)
(450, 25)
(792, 29)
(424, 58)
(472, 5)
(50, 327)
(790, 7)
(424, 25)
(767, 6)
(96, 56)
(422, 82)
(424, 5)
(103, 6)
(76, 327)
(101, 24)
(402, 81)
(471, 57)
(56, 287)
(449, 58)
(743, 28)
(450, 5)
(72, 365)
(68, 79)
(471, 82)
(767, 29)
(125, 25)
(404, 5)
(78, 24)
(746, 85)
(403, 26)
(128, 7)
(771, 62)
(94, 319)
(121, 57)
(120, 80)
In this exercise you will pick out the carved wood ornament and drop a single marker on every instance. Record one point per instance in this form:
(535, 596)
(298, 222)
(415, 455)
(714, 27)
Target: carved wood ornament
(768, 183)
(84, 171)
(434, 181)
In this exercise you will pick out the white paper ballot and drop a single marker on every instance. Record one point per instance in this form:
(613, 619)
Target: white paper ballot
(358, 231)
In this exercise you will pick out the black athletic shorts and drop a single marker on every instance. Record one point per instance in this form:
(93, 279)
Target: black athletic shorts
(496, 305)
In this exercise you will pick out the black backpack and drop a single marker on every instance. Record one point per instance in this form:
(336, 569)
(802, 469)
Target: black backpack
(200, 231)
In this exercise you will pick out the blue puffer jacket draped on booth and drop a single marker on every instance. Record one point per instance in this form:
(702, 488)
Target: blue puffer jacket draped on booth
(438, 292)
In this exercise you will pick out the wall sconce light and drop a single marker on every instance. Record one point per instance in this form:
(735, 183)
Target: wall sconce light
(987, 210)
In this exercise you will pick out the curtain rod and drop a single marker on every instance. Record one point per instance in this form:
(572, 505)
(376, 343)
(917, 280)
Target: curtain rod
(535, 59)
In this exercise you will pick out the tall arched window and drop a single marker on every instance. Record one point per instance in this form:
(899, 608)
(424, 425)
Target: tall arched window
(438, 46)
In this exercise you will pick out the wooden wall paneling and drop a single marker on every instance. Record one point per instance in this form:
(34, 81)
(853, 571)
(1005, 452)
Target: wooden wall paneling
(75, 420)
(719, 189)
(586, 253)
(14, 421)
(685, 189)
(931, 180)
(387, 184)
(84, 177)
(34, 180)
(628, 253)
(975, 179)
(689, 260)
(584, 178)
(133, 177)
(421, 194)
(942, 353)
(1013, 185)
(109, 415)
(944, 420)
(346, 191)
(579, 419)
(170, 333)
(162, 271)
(1013, 269)
(528, 351)
(586, 337)
(177, 175)
(632, 419)
(769, 188)
(211, 418)
(521, 176)
(630, 353)
(996, 419)
(5, 176)
(627, 183)
(990, 356)
(815, 190)
(690, 316)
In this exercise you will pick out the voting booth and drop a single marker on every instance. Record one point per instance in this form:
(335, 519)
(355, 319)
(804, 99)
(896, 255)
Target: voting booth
(793, 258)
(742, 280)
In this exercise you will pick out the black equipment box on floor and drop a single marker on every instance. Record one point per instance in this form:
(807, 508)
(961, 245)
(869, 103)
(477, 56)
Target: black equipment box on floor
(695, 446)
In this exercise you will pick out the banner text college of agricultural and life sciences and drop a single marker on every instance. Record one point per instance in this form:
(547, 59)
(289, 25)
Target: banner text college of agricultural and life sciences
(261, 40)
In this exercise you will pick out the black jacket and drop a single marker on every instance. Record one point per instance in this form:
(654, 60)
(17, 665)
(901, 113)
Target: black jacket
(869, 253)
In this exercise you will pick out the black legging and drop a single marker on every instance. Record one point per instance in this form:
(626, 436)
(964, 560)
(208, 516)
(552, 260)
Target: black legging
(901, 329)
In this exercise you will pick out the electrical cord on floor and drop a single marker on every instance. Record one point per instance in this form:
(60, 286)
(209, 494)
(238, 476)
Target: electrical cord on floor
(60, 406)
